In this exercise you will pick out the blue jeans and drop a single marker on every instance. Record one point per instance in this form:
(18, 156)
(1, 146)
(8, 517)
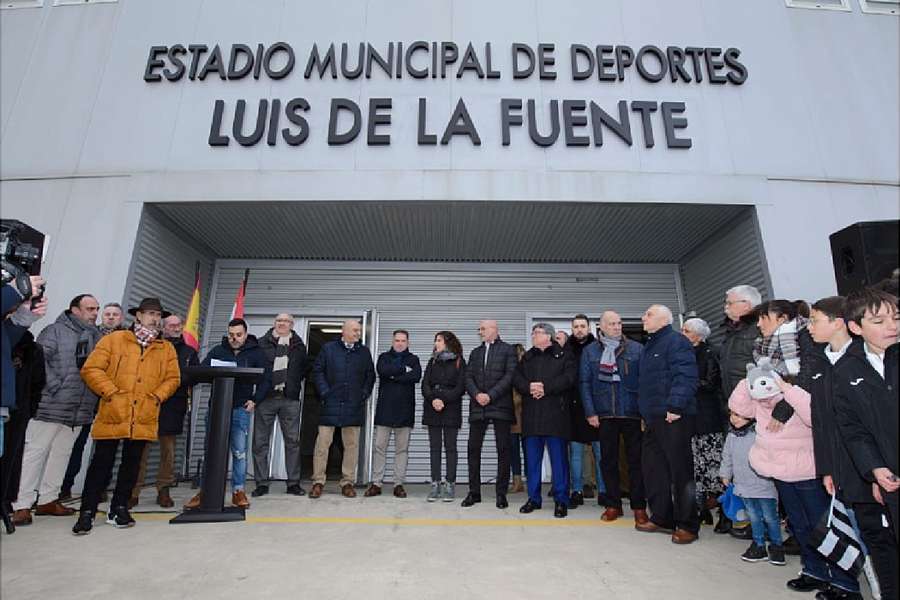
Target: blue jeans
(805, 503)
(240, 430)
(576, 462)
(764, 519)
(534, 456)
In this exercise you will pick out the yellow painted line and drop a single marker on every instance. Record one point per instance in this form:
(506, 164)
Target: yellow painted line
(416, 522)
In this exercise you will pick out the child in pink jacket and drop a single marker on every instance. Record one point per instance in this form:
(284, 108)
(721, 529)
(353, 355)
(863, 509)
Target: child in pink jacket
(784, 452)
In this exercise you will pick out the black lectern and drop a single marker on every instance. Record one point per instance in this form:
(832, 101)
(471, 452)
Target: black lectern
(212, 507)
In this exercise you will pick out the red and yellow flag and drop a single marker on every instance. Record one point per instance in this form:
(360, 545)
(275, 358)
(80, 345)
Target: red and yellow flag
(237, 311)
(192, 322)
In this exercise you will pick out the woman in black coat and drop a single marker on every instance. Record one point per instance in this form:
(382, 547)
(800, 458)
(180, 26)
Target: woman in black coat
(443, 387)
(712, 418)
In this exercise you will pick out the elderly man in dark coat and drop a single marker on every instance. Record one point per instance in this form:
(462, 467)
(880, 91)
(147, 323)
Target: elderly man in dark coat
(668, 404)
(545, 378)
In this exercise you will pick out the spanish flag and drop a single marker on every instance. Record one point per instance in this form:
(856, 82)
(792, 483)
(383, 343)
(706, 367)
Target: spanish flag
(191, 332)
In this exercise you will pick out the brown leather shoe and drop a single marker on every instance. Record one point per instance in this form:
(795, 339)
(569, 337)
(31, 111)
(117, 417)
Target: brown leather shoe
(399, 492)
(640, 516)
(347, 491)
(651, 527)
(372, 490)
(611, 514)
(193, 502)
(163, 498)
(683, 536)
(54, 509)
(316, 490)
(21, 517)
(239, 499)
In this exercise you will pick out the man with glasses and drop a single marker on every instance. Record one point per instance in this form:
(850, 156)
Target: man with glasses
(489, 376)
(286, 360)
(740, 334)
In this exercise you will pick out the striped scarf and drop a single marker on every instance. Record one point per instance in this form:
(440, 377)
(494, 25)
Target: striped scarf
(609, 370)
(279, 368)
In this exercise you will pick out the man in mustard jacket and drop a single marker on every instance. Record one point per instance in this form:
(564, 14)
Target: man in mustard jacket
(133, 371)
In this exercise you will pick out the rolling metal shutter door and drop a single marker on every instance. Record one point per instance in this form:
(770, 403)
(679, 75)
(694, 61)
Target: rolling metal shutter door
(732, 257)
(425, 298)
(163, 265)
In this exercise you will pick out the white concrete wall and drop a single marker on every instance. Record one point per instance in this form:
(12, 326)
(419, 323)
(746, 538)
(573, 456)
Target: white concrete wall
(810, 138)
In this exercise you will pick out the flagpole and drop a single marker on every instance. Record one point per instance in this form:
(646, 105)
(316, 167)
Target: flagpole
(189, 439)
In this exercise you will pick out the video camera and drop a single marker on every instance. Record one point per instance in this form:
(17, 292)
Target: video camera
(21, 255)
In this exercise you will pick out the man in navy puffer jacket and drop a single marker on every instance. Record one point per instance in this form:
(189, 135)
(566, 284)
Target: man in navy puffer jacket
(666, 397)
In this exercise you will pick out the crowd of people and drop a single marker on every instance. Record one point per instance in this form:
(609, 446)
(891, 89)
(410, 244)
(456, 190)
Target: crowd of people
(794, 413)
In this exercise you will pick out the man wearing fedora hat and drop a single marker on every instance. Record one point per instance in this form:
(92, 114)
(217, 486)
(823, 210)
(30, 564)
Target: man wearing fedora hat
(134, 372)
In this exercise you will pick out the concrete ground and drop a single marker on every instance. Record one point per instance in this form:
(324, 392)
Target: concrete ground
(380, 547)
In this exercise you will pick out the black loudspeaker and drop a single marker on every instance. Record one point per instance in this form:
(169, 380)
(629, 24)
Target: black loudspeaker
(864, 254)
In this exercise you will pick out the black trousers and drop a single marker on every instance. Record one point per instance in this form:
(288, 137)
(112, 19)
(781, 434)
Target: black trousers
(448, 435)
(99, 471)
(668, 463)
(476, 441)
(882, 545)
(630, 430)
(13, 448)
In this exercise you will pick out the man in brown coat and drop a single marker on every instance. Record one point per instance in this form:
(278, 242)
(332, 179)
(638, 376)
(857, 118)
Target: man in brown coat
(133, 372)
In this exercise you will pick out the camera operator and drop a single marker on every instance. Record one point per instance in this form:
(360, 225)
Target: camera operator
(15, 323)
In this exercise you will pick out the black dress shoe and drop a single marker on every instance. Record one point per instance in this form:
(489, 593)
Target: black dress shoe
(471, 500)
(576, 500)
(805, 583)
(501, 501)
(295, 490)
(835, 593)
(529, 507)
(261, 490)
(560, 511)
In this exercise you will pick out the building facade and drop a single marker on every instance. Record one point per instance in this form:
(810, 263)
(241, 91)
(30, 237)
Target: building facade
(426, 165)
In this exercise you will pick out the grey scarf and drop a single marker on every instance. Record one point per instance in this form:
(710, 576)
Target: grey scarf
(609, 370)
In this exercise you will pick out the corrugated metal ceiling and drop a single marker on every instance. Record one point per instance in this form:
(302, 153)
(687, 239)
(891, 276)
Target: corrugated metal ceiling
(541, 232)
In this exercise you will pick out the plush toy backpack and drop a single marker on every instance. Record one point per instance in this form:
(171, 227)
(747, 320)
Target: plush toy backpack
(761, 379)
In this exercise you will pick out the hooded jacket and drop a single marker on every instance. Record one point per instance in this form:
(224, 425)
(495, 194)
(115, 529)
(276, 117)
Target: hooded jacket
(549, 415)
(668, 377)
(786, 454)
(249, 355)
(132, 383)
(297, 364)
(66, 398)
(398, 374)
(345, 378)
